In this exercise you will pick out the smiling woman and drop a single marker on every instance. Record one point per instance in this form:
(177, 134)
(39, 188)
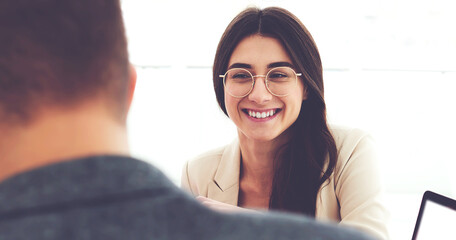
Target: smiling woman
(268, 80)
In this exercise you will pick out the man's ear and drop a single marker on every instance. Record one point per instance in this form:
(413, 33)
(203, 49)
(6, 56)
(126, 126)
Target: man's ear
(132, 84)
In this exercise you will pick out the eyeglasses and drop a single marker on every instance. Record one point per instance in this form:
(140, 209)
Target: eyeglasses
(279, 81)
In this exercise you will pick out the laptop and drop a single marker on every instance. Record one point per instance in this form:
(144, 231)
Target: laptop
(436, 218)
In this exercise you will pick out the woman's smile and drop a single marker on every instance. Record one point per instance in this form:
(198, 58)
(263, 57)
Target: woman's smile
(261, 115)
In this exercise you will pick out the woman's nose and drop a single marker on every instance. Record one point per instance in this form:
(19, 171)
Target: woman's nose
(260, 93)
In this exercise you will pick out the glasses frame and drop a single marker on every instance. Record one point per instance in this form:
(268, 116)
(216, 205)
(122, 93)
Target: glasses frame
(262, 76)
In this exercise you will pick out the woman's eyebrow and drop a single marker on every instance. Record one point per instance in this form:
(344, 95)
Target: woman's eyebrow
(271, 65)
(240, 65)
(280, 64)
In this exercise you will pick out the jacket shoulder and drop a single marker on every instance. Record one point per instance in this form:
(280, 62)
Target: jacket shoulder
(355, 148)
(346, 135)
(206, 164)
(199, 172)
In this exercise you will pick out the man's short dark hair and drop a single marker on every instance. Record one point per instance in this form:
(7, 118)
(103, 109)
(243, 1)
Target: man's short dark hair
(60, 52)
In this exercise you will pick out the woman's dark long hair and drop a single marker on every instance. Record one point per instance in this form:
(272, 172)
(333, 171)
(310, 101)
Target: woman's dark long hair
(308, 159)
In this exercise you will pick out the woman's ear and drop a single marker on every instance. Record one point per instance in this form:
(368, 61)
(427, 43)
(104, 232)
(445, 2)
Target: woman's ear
(304, 93)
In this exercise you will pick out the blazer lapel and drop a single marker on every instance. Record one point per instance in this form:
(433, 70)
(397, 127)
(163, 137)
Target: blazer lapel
(225, 185)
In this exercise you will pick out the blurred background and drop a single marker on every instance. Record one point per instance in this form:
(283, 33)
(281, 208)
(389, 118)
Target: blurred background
(389, 69)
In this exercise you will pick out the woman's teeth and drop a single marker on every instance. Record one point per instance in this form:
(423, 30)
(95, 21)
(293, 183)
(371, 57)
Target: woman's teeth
(269, 113)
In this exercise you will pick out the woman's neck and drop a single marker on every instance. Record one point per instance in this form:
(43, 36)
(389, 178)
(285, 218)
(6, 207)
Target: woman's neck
(258, 158)
(257, 170)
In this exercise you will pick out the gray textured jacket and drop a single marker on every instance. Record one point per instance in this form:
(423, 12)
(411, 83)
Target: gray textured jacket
(113, 197)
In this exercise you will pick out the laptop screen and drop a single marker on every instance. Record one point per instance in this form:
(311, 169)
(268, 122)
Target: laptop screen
(436, 219)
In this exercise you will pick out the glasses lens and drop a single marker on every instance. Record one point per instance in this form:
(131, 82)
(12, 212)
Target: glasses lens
(238, 82)
(281, 80)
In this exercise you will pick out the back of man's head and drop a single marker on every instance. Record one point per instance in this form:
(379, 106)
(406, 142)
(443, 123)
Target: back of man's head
(59, 53)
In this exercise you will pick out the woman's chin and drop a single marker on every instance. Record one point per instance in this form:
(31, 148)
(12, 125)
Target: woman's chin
(259, 136)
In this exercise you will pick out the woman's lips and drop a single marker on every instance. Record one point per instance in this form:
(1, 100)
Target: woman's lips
(264, 114)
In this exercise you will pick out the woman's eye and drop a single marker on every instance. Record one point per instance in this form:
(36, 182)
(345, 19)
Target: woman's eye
(241, 76)
(277, 76)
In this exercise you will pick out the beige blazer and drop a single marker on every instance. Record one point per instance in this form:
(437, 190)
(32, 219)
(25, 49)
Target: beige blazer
(352, 197)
